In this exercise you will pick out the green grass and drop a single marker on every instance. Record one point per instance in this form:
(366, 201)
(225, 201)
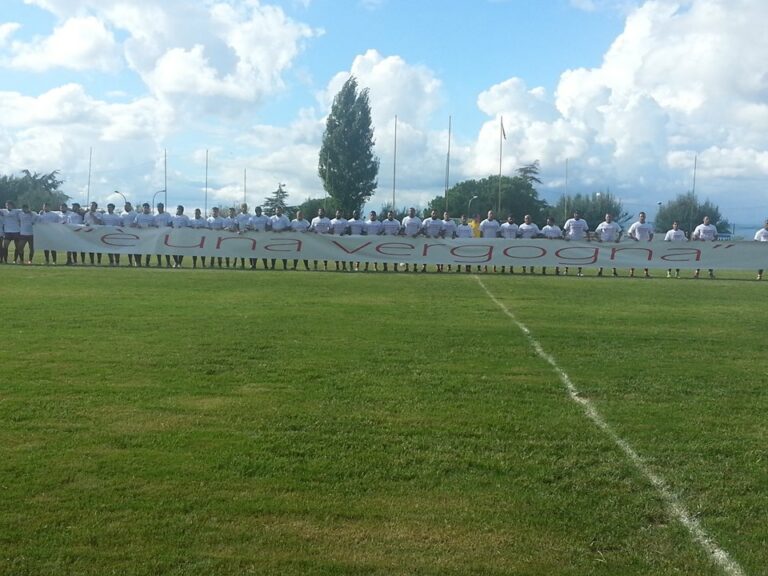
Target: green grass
(206, 422)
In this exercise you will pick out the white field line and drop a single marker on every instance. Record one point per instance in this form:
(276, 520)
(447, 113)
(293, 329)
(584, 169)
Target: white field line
(676, 507)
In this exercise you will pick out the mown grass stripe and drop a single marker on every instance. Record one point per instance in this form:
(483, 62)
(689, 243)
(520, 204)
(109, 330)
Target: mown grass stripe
(676, 507)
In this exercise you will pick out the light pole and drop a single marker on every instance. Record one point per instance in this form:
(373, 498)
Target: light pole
(125, 200)
(155, 196)
(469, 206)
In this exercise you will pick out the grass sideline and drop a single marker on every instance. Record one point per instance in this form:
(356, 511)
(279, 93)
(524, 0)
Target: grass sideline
(204, 422)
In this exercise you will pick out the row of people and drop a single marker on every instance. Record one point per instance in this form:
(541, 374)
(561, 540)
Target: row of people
(16, 226)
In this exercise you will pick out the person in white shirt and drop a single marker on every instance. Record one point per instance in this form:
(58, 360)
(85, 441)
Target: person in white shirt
(300, 224)
(411, 226)
(163, 220)
(320, 224)
(48, 215)
(608, 231)
(640, 231)
(27, 220)
(355, 224)
(705, 232)
(259, 223)
(230, 225)
(92, 217)
(576, 228)
(464, 230)
(279, 223)
(110, 218)
(355, 227)
(198, 223)
(489, 228)
(447, 230)
(11, 230)
(551, 231)
(339, 228)
(374, 227)
(243, 221)
(216, 222)
(431, 227)
(390, 226)
(64, 214)
(179, 220)
(144, 219)
(509, 231)
(761, 236)
(528, 230)
(127, 219)
(674, 234)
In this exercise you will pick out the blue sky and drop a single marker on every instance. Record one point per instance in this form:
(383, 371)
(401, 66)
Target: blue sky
(628, 91)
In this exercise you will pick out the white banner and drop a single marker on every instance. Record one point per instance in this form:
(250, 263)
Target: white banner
(309, 246)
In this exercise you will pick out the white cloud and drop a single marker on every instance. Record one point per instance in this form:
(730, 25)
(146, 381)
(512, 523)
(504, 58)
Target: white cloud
(682, 78)
(78, 44)
(7, 30)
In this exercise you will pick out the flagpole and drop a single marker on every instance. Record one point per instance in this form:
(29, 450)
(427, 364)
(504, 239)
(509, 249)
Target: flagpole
(501, 135)
(206, 183)
(448, 164)
(88, 190)
(394, 168)
(245, 184)
(165, 177)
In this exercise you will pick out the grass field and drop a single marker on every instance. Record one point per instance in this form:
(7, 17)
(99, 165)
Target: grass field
(206, 423)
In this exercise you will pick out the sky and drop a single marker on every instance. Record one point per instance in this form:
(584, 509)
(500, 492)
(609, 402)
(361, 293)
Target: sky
(627, 93)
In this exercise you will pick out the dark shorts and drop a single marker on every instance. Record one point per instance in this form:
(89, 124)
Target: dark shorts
(12, 235)
(27, 237)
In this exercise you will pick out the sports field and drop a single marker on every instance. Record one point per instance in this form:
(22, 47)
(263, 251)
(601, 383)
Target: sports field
(225, 422)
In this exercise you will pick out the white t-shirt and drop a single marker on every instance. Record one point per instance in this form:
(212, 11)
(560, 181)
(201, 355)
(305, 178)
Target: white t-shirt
(230, 223)
(339, 226)
(464, 231)
(576, 229)
(180, 221)
(673, 235)
(92, 218)
(529, 230)
(111, 219)
(508, 230)
(320, 225)
(50, 216)
(11, 220)
(705, 232)
(432, 227)
(391, 227)
(449, 228)
(145, 220)
(761, 235)
(26, 221)
(279, 223)
(198, 222)
(259, 223)
(215, 222)
(411, 225)
(552, 231)
(243, 221)
(375, 227)
(163, 219)
(608, 231)
(299, 225)
(641, 231)
(356, 226)
(128, 218)
(489, 228)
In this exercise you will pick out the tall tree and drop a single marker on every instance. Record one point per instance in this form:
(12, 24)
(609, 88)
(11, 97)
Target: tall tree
(276, 199)
(347, 164)
(593, 208)
(689, 213)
